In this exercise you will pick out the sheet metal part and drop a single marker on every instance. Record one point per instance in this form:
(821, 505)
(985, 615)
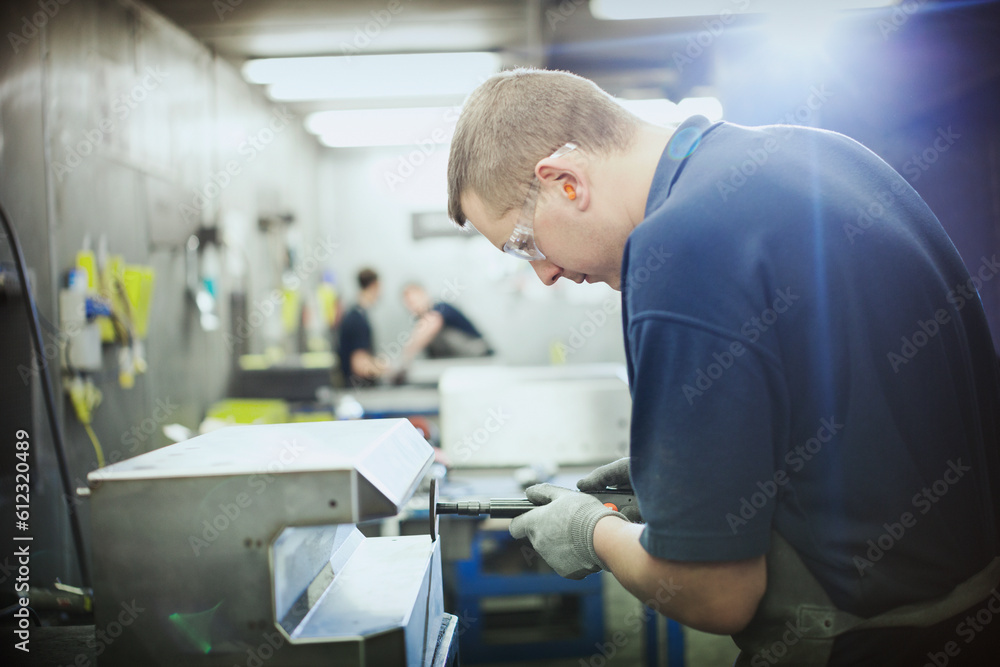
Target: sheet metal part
(244, 537)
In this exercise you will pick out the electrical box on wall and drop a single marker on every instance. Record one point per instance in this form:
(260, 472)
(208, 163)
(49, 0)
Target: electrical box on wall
(81, 339)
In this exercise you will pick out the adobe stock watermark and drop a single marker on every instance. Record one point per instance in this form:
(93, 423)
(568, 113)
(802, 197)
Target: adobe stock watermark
(923, 501)
(900, 15)
(424, 148)
(261, 653)
(223, 7)
(640, 272)
(968, 629)
(926, 330)
(163, 409)
(912, 169)
(796, 459)
(265, 308)
(7, 570)
(139, 433)
(51, 350)
(473, 442)
(106, 636)
(230, 512)
(368, 32)
(249, 148)
(969, 290)
(37, 21)
(562, 12)
(792, 635)
(752, 330)
(466, 619)
(121, 107)
(580, 334)
(638, 276)
(700, 41)
(666, 591)
(393, 350)
(740, 174)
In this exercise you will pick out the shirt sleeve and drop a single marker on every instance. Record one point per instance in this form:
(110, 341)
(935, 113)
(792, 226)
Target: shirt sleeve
(704, 427)
(453, 317)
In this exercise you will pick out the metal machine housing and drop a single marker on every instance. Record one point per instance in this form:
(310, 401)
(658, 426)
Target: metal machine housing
(239, 547)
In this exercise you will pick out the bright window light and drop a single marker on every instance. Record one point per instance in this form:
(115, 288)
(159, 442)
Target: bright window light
(795, 39)
(372, 77)
(384, 127)
(618, 10)
(665, 112)
(657, 112)
(709, 107)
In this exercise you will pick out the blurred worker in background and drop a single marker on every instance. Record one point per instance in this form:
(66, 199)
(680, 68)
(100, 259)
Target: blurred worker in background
(814, 436)
(355, 349)
(440, 329)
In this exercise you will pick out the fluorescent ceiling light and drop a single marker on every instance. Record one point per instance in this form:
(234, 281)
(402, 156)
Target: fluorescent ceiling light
(617, 10)
(423, 127)
(344, 39)
(665, 112)
(372, 77)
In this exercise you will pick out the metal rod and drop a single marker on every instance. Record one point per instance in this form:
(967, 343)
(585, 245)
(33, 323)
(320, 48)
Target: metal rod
(620, 500)
(497, 508)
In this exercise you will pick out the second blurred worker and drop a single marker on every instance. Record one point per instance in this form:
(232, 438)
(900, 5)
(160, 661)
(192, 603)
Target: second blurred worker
(441, 329)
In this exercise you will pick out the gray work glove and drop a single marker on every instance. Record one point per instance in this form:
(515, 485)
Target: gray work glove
(614, 474)
(562, 529)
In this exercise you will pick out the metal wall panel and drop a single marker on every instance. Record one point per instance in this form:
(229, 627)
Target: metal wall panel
(23, 194)
(112, 118)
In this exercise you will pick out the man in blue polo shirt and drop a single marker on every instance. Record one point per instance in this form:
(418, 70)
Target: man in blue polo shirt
(441, 329)
(815, 391)
(355, 348)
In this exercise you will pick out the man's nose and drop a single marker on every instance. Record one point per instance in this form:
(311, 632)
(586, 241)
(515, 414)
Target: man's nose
(547, 272)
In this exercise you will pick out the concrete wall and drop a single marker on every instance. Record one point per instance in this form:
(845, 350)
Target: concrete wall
(113, 120)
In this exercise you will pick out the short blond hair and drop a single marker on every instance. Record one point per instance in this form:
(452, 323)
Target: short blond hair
(516, 118)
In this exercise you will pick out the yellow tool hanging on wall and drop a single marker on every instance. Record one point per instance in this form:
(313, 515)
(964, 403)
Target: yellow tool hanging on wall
(128, 288)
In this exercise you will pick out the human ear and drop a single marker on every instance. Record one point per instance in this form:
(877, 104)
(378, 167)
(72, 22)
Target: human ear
(569, 180)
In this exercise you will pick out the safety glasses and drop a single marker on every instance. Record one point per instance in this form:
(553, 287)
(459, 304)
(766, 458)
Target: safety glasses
(521, 243)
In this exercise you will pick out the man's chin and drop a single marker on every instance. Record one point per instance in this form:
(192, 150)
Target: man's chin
(611, 281)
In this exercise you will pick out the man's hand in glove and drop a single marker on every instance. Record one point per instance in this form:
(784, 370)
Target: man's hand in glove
(614, 474)
(561, 529)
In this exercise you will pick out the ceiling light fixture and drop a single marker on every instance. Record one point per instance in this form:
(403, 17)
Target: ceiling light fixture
(394, 76)
(422, 127)
(618, 10)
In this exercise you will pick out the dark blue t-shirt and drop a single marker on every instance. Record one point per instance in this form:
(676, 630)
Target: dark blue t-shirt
(804, 352)
(355, 334)
(454, 318)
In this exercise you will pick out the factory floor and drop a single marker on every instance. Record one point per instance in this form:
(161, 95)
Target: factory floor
(620, 610)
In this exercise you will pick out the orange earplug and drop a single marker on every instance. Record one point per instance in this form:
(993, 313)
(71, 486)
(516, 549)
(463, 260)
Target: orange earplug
(570, 191)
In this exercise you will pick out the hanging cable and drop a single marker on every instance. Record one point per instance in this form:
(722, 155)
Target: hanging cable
(50, 403)
(85, 397)
(97, 445)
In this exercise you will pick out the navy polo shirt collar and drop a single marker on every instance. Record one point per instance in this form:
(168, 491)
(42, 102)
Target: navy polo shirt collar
(682, 144)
